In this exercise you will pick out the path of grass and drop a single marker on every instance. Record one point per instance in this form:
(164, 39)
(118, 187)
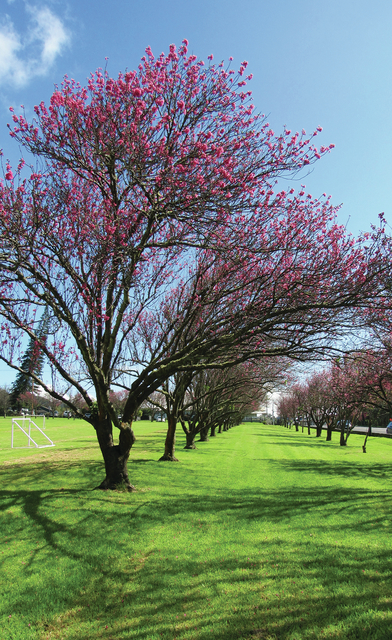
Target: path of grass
(260, 533)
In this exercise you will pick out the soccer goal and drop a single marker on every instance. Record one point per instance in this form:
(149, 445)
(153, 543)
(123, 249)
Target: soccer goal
(28, 427)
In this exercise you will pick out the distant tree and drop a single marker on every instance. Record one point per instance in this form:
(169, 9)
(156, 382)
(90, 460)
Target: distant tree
(373, 369)
(53, 404)
(5, 400)
(293, 408)
(32, 362)
(336, 397)
(287, 408)
(314, 394)
(118, 400)
(78, 403)
(31, 400)
(368, 380)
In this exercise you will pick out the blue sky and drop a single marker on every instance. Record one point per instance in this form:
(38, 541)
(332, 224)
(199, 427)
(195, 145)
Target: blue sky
(314, 62)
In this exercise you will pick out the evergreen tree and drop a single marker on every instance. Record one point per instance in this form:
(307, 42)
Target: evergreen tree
(32, 362)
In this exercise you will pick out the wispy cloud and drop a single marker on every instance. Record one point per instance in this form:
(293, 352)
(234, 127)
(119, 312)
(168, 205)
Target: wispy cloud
(24, 56)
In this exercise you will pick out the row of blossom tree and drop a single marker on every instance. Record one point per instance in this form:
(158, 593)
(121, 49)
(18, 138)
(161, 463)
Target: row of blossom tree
(353, 390)
(212, 401)
(154, 230)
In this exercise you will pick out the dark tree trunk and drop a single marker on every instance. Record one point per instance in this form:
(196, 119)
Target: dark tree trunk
(189, 435)
(369, 433)
(115, 455)
(190, 440)
(329, 432)
(212, 432)
(220, 429)
(319, 430)
(308, 430)
(204, 434)
(296, 427)
(343, 441)
(170, 441)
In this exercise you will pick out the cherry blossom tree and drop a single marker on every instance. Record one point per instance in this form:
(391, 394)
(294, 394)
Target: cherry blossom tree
(293, 406)
(118, 399)
(31, 400)
(78, 404)
(368, 379)
(315, 394)
(330, 396)
(337, 396)
(153, 216)
(374, 382)
(288, 408)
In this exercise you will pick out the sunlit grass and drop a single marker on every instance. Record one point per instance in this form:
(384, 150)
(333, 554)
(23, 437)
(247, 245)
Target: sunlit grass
(259, 533)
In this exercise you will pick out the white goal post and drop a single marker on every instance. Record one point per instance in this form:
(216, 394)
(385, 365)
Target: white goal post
(26, 429)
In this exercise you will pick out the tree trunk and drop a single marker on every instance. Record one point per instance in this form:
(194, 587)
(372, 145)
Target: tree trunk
(220, 429)
(348, 432)
(212, 432)
(329, 433)
(367, 435)
(204, 435)
(170, 441)
(319, 430)
(343, 441)
(190, 440)
(189, 434)
(115, 456)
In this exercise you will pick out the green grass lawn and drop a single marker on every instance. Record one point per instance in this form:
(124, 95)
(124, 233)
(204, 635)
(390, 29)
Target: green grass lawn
(260, 533)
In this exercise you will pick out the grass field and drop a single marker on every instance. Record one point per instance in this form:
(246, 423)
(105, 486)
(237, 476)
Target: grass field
(260, 533)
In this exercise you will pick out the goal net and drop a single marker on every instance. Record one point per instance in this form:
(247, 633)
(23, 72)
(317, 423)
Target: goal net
(24, 427)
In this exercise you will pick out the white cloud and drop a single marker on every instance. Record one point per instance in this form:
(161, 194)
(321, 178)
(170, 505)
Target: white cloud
(26, 56)
(11, 66)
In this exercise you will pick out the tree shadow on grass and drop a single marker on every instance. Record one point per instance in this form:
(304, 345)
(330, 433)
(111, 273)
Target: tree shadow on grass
(301, 439)
(109, 581)
(170, 592)
(279, 506)
(173, 591)
(338, 468)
